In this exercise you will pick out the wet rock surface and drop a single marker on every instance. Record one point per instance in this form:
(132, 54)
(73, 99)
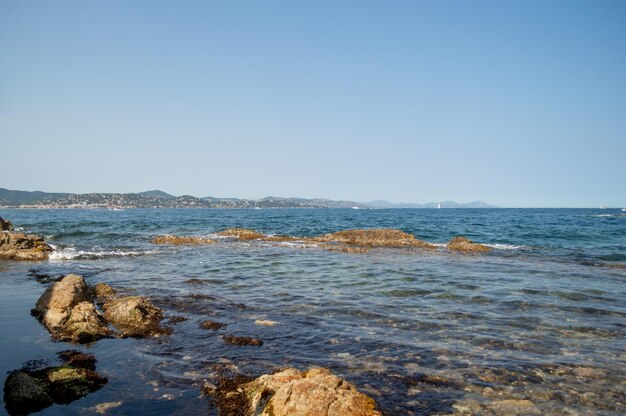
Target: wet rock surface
(178, 240)
(374, 238)
(134, 316)
(103, 292)
(292, 392)
(465, 244)
(207, 324)
(245, 341)
(31, 390)
(19, 246)
(68, 311)
(242, 234)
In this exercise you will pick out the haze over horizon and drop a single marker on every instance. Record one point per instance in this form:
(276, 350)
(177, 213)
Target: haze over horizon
(515, 104)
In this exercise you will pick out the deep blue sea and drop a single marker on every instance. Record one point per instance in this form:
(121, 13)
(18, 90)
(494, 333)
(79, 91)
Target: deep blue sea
(542, 317)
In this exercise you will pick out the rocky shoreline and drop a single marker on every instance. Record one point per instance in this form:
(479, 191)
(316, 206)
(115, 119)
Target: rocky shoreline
(354, 241)
(80, 313)
(20, 246)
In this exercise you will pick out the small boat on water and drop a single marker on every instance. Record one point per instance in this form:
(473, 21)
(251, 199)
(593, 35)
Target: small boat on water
(623, 209)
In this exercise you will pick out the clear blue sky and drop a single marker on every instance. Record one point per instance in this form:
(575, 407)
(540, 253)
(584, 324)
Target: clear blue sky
(515, 103)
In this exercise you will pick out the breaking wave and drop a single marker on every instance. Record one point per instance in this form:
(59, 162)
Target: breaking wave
(71, 253)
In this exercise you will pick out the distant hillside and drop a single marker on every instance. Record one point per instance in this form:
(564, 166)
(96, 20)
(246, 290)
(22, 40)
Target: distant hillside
(9, 197)
(444, 204)
(159, 199)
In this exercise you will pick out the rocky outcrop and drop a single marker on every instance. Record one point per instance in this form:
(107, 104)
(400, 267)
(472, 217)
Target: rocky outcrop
(465, 244)
(242, 234)
(27, 391)
(5, 225)
(19, 246)
(67, 311)
(292, 392)
(134, 316)
(177, 240)
(374, 238)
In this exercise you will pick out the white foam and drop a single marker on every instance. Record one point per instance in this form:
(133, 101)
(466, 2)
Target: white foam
(504, 246)
(70, 253)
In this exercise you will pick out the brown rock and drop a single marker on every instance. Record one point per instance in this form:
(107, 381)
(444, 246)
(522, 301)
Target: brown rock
(235, 340)
(211, 325)
(465, 244)
(18, 246)
(85, 324)
(311, 393)
(64, 294)
(67, 311)
(242, 234)
(5, 225)
(177, 240)
(104, 292)
(134, 316)
(374, 238)
(513, 407)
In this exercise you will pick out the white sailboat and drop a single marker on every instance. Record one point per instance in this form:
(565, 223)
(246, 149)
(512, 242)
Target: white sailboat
(439, 206)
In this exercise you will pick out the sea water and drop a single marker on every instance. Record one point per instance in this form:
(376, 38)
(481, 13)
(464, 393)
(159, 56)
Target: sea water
(542, 317)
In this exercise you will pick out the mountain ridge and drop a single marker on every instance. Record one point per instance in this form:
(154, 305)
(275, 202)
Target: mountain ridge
(159, 199)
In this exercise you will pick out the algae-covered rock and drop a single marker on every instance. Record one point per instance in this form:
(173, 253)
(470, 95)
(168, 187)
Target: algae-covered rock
(27, 391)
(85, 324)
(178, 240)
(134, 316)
(24, 394)
(242, 234)
(235, 340)
(465, 244)
(19, 246)
(103, 292)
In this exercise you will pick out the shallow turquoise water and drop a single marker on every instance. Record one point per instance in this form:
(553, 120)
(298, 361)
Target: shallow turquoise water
(546, 302)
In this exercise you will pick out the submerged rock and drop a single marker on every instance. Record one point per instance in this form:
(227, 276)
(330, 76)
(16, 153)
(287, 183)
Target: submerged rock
(465, 244)
(19, 246)
(374, 238)
(177, 240)
(207, 324)
(5, 225)
(292, 392)
(24, 394)
(134, 316)
(27, 391)
(235, 340)
(241, 233)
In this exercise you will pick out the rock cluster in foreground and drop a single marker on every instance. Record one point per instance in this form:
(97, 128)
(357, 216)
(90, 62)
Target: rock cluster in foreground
(316, 392)
(27, 391)
(68, 310)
